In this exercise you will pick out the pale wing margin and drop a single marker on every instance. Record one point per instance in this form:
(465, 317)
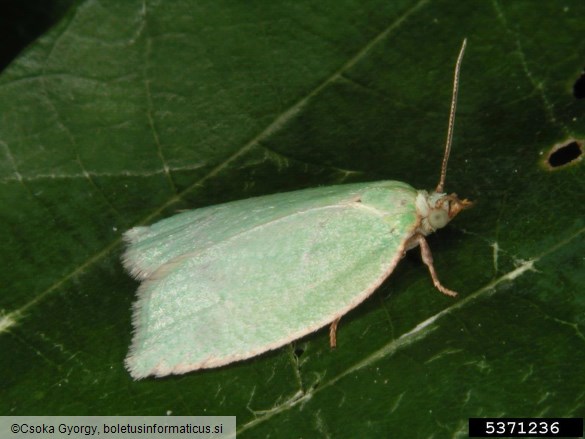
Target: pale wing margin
(262, 288)
(151, 247)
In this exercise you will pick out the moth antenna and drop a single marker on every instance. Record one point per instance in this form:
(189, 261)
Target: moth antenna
(441, 184)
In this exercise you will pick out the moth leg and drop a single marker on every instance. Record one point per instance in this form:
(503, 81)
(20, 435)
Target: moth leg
(333, 333)
(427, 257)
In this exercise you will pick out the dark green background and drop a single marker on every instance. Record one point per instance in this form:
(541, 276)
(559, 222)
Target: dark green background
(125, 112)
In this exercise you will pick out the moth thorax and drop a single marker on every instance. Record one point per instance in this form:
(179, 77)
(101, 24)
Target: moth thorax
(435, 210)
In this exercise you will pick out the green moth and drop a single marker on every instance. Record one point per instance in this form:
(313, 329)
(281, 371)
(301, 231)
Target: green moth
(228, 282)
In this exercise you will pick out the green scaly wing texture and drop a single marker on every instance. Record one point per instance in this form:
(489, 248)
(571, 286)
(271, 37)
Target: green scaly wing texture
(127, 112)
(297, 262)
(195, 230)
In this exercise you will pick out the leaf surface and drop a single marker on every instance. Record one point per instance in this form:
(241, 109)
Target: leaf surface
(126, 112)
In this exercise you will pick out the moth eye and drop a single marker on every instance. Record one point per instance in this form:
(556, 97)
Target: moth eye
(438, 218)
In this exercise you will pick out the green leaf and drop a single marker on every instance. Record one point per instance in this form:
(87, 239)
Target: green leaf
(126, 112)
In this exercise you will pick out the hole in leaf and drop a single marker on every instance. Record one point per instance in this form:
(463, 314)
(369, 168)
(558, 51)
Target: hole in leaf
(579, 87)
(564, 154)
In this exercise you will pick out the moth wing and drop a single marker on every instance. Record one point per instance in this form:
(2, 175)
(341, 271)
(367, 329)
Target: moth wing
(262, 288)
(151, 247)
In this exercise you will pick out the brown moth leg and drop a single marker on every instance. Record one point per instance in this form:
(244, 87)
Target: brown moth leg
(427, 257)
(333, 333)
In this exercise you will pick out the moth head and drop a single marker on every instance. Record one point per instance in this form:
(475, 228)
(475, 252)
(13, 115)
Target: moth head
(435, 210)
